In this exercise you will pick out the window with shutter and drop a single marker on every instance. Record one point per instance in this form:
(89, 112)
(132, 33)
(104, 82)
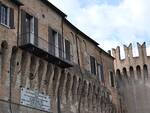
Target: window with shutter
(29, 28)
(60, 46)
(55, 43)
(51, 41)
(6, 16)
(35, 31)
(11, 21)
(93, 65)
(111, 79)
(67, 50)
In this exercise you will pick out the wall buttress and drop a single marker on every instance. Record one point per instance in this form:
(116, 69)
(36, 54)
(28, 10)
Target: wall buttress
(34, 71)
(42, 88)
(16, 73)
(26, 59)
(6, 55)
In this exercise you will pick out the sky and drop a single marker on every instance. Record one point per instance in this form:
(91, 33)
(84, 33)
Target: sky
(111, 23)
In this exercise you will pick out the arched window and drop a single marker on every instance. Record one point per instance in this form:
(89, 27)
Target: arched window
(125, 73)
(118, 74)
(138, 70)
(145, 71)
(131, 70)
(112, 80)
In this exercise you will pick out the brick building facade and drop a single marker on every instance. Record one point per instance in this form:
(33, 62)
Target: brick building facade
(49, 65)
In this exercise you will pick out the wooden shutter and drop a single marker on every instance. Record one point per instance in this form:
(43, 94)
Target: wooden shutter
(102, 74)
(51, 41)
(60, 46)
(67, 50)
(11, 18)
(23, 27)
(93, 67)
(35, 31)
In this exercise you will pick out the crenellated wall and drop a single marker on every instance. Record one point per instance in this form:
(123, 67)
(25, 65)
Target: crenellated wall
(132, 63)
(133, 79)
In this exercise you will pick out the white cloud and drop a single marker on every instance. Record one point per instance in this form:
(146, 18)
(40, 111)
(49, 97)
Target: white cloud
(110, 25)
(148, 51)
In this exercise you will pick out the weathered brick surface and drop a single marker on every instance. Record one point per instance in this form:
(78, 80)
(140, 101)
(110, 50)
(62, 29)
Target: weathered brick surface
(78, 90)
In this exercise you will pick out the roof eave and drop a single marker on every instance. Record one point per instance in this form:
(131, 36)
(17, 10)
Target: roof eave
(46, 2)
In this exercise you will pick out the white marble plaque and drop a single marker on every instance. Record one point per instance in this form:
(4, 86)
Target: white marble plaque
(35, 100)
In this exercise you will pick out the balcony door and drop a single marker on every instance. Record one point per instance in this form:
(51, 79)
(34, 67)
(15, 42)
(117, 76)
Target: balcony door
(55, 43)
(29, 28)
(67, 50)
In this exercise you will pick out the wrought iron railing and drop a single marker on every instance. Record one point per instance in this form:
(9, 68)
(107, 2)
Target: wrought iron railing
(50, 48)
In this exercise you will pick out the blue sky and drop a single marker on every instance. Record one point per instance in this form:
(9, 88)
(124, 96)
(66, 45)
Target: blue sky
(110, 22)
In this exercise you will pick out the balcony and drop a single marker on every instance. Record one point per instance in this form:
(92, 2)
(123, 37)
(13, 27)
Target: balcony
(17, 2)
(43, 49)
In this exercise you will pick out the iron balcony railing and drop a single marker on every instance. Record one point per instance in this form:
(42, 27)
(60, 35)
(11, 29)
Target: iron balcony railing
(52, 49)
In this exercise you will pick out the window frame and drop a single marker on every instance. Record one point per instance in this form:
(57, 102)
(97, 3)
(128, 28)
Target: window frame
(100, 72)
(112, 79)
(92, 69)
(68, 58)
(5, 15)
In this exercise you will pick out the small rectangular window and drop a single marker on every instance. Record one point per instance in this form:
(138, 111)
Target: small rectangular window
(93, 65)
(100, 72)
(112, 79)
(5, 15)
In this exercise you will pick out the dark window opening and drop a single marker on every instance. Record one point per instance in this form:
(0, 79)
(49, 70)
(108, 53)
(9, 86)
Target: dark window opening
(112, 79)
(93, 65)
(55, 43)
(29, 28)
(67, 50)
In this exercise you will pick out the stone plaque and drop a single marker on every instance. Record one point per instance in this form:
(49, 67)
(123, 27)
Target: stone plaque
(35, 100)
